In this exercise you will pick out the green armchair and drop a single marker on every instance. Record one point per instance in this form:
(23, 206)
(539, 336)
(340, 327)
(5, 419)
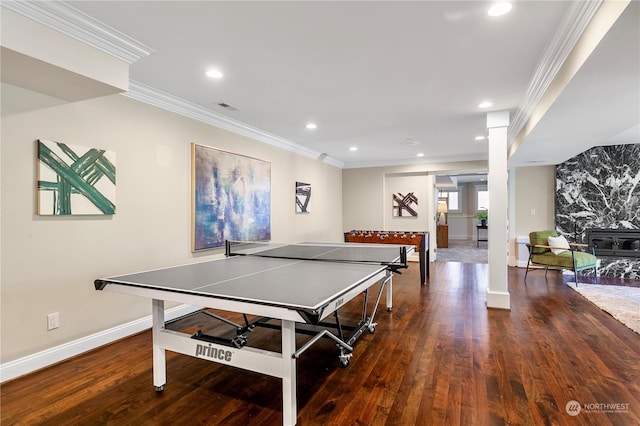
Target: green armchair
(569, 256)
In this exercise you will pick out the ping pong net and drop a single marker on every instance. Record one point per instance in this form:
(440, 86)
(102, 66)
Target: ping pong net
(392, 256)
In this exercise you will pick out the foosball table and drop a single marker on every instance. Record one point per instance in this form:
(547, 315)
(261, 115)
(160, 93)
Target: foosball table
(418, 239)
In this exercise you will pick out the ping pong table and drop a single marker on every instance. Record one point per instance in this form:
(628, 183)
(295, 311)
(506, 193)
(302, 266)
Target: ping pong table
(300, 284)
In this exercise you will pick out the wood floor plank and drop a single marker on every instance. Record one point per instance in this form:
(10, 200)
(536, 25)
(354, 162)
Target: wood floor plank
(439, 358)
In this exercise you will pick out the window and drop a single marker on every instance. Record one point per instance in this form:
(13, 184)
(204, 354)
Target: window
(482, 198)
(453, 199)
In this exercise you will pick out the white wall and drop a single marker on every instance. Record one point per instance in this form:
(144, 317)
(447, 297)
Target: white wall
(49, 263)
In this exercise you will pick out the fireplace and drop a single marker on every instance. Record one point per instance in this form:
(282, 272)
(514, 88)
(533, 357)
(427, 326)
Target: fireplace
(614, 242)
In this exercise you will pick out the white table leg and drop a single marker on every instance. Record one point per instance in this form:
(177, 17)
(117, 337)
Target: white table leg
(289, 381)
(159, 362)
(389, 290)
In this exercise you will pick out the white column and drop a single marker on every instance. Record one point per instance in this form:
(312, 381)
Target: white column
(497, 289)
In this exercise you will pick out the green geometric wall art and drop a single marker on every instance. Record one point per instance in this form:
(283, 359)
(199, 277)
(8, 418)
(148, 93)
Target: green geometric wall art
(75, 180)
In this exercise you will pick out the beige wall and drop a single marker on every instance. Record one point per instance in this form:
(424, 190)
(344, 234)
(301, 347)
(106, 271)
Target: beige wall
(534, 190)
(462, 224)
(366, 206)
(366, 196)
(362, 199)
(404, 184)
(533, 202)
(49, 263)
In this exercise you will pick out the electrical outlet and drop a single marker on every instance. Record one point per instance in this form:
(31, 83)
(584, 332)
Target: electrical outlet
(53, 321)
(533, 212)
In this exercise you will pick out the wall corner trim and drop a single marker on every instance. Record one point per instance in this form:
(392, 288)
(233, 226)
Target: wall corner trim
(30, 363)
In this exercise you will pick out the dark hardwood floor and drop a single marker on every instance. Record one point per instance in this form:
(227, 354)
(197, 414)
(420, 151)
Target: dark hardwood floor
(440, 358)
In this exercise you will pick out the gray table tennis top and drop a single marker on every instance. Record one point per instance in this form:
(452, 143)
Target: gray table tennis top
(292, 283)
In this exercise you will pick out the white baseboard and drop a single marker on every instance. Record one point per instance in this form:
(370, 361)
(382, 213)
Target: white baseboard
(498, 299)
(30, 363)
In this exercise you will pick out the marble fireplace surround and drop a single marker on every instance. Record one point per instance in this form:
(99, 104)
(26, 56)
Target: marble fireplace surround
(600, 189)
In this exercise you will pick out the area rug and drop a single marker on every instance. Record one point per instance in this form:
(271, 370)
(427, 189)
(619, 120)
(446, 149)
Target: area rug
(465, 251)
(622, 303)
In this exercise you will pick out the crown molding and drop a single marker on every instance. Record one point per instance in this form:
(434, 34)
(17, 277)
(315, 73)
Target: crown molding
(71, 22)
(168, 102)
(568, 33)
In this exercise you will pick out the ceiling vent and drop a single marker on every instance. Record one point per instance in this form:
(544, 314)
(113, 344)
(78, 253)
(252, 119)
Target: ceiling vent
(227, 106)
(410, 142)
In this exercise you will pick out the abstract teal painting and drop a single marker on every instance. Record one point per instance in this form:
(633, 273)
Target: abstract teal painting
(75, 180)
(231, 198)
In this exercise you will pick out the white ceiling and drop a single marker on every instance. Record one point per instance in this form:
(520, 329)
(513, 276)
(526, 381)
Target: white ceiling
(393, 78)
(601, 104)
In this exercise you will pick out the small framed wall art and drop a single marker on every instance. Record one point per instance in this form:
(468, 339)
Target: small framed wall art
(403, 205)
(303, 197)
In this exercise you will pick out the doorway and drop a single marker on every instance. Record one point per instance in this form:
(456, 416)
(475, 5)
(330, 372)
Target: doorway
(461, 200)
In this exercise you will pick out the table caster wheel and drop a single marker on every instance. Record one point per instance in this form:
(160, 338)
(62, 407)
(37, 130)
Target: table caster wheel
(344, 360)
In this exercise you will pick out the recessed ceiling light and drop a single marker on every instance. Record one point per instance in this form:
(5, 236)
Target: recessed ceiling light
(499, 9)
(312, 126)
(353, 148)
(420, 154)
(485, 104)
(479, 138)
(214, 73)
